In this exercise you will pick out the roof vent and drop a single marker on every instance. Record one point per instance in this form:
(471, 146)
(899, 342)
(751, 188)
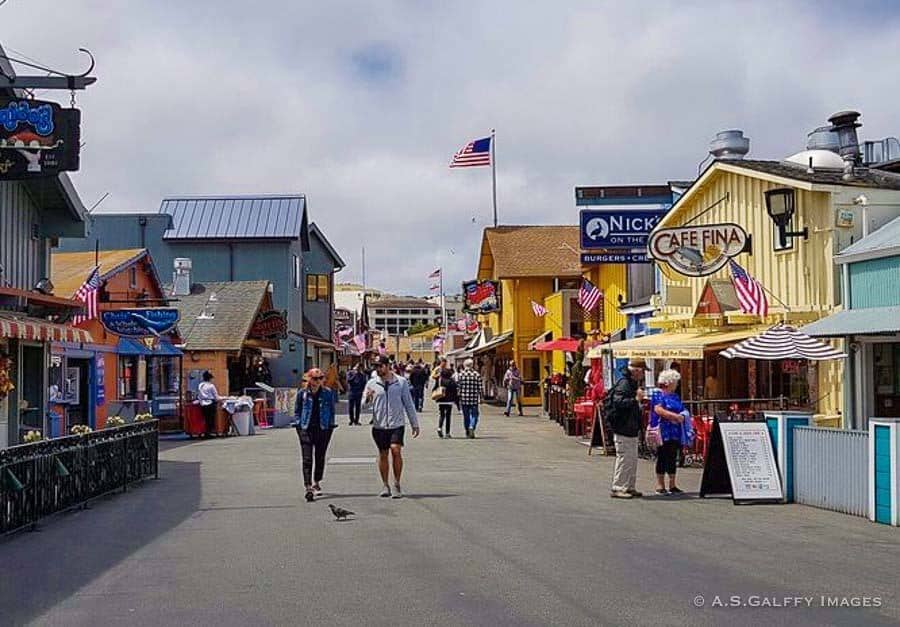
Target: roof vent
(844, 123)
(181, 278)
(729, 145)
(823, 138)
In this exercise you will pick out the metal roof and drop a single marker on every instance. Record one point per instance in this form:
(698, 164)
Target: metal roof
(884, 242)
(867, 321)
(235, 217)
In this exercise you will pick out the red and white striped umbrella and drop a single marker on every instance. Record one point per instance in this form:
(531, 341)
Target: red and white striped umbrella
(783, 342)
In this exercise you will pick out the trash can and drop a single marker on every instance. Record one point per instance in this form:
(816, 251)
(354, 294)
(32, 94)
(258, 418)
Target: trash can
(242, 419)
(54, 424)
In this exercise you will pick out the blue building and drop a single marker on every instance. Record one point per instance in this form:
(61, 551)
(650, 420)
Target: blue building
(242, 238)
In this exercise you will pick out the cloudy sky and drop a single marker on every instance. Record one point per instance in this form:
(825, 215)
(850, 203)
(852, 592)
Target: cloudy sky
(361, 105)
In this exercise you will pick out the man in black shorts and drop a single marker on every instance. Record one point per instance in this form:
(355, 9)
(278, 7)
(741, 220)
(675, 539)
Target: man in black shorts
(392, 403)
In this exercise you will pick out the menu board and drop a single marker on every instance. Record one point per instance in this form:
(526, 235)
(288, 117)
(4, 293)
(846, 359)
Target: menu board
(751, 461)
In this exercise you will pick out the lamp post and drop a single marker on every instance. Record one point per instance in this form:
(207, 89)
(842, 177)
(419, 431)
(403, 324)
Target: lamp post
(780, 206)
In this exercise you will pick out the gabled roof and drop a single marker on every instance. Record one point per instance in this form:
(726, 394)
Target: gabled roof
(229, 316)
(68, 271)
(885, 242)
(533, 251)
(338, 262)
(236, 217)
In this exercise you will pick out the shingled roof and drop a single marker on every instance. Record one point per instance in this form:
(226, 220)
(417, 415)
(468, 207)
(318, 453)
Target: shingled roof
(68, 271)
(862, 177)
(232, 312)
(533, 251)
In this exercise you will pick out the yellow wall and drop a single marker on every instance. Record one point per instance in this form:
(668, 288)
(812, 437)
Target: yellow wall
(556, 314)
(610, 278)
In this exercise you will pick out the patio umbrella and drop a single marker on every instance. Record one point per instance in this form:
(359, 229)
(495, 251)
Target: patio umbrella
(783, 342)
(567, 344)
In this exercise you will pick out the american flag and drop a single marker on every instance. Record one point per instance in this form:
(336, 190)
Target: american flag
(87, 294)
(750, 292)
(436, 274)
(538, 309)
(475, 153)
(588, 295)
(435, 287)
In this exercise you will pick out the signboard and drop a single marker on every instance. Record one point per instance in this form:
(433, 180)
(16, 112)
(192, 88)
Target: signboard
(619, 257)
(38, 139)
(618, 228)
(343, 315)
(481, 297)
(140, 322)
(698, 250)
(269, 325)
(741, 462)
(100, 383)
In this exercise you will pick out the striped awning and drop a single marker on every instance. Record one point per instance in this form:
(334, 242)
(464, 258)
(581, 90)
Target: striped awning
(783, 342)
(24, 328)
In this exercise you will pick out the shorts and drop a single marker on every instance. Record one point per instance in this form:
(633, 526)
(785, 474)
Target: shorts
(385, 437)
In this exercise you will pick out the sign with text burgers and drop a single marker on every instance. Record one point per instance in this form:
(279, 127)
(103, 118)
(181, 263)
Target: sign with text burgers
(139, 322)
(481, 297)
(269, 325)
(698, 250)
(603, 229)
(38, 139)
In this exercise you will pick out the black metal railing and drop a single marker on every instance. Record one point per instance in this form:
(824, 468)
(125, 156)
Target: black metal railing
(51, 476)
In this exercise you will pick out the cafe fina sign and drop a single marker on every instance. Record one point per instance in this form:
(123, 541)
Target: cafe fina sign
(698, 250)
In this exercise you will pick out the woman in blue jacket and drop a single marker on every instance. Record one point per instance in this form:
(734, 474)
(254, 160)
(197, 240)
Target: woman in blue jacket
(666, 413)
(315, 410)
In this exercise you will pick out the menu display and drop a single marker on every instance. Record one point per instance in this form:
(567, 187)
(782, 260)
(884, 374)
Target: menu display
(751, 461)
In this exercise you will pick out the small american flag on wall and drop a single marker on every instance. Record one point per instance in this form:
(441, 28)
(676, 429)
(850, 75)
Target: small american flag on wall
(87, 294)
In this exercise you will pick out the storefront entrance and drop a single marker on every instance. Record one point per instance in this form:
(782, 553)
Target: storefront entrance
(886, 363)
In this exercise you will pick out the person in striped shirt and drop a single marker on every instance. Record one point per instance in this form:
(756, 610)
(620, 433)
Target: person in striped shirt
(469, 388)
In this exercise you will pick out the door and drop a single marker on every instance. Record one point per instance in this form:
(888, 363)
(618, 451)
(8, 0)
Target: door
(77, 392)
(32, 377)
(531, 379)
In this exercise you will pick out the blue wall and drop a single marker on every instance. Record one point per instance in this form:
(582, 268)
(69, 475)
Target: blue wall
(874, 283)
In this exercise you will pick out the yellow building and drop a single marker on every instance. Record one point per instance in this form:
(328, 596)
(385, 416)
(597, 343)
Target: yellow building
(540, 264)
(700, 315)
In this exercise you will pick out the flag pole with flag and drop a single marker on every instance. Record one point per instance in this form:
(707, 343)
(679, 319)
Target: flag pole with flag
(439, 286)
(477, 153)
(750, 293)
(87, 294)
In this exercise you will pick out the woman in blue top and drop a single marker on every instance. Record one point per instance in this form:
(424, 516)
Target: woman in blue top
(315, 411)
(665, 412)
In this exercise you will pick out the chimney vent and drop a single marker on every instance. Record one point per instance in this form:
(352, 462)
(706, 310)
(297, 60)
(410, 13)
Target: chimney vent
(729, 145)
(181, 278)
(844, 123)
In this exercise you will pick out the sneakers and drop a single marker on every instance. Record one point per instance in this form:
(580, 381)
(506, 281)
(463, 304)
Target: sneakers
(634, 493)
(470, 434)
(317, 490)
(396, 492)
(506, 413)
(440, 434)
(385, 491)
(448, 436)
(620, 494)
(309, 495)
(662, 491)
(674, 490)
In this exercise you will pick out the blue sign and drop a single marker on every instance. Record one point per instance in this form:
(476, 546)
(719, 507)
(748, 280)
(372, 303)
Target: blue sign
(39, 117)
(602, 229)
(621, 257)
(100, 373)
(139, 322)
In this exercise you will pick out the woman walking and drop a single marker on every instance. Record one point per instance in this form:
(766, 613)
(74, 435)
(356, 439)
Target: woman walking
(665, 414)
(315, 410)
(446, 402)
(208, 397)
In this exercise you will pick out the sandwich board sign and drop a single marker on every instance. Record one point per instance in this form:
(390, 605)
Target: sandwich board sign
(741, 462)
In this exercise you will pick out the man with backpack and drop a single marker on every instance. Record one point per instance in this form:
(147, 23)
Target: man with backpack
(622, 407)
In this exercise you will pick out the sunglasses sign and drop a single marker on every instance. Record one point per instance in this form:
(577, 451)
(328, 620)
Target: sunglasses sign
(38, 139)
(698, 250)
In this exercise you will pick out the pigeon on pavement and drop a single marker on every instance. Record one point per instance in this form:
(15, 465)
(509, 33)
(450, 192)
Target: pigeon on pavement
(339, 513)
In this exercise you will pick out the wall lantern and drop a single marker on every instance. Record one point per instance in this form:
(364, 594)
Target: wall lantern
(780, 205)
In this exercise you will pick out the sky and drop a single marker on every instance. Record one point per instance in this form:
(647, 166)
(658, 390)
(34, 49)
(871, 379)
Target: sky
(361, 105)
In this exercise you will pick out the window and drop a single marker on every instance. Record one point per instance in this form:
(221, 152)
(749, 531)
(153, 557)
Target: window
(317, 287)
(296, 272)
(128, 376)
(132, 277)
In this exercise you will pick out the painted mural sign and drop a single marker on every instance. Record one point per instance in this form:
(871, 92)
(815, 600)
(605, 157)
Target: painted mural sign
(481, 297)
(38, 139)
(618, 228)
(140, 322)
(270, 325)
(698, 250)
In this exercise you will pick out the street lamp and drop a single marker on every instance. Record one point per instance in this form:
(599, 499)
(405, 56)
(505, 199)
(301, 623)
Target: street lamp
(780, 205)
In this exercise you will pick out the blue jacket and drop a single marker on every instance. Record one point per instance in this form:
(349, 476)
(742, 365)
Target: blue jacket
(668, 430)
(356, 382)
(327, 404)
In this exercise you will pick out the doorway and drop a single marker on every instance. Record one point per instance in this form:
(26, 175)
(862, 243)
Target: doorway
(77, 392)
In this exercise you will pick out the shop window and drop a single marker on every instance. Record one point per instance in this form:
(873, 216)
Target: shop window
(128, 377)
(164, 378)
(55, 384)
(317, 288)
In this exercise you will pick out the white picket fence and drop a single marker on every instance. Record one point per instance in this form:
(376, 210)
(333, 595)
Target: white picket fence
(831, 469)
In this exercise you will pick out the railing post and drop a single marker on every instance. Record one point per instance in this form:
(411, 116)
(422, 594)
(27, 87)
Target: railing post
(781, 425)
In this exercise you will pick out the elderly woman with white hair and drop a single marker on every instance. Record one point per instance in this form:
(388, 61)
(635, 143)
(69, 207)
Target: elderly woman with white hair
(666, 416)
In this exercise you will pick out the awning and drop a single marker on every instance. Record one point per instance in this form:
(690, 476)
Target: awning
(566, 344)
(25, 328)
(493, 343)
(541, 338)
(673, 345)
(167, 349)
(873, 321)
(128, 346)
(783, 342)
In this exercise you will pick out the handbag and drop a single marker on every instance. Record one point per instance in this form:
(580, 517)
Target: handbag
(653, 438)
(438, 393)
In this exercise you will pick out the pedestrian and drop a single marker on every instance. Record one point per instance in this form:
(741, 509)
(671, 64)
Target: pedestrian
(314, 410)
(666, 416)
(418, 379)
(448, 398)
(392, 405)
(512, 381)
(623, 410)
(469, 384)
(208, 397)
(436, 373)
(356, 383)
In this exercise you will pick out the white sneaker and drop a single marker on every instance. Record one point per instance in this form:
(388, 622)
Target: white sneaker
(317, 491)
(385, 491)
(396, 492)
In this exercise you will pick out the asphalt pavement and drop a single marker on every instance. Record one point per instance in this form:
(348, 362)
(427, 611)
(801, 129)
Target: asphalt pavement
(513, 528)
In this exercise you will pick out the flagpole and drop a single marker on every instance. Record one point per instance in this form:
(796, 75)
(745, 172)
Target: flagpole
(494, 173)
(443, 303)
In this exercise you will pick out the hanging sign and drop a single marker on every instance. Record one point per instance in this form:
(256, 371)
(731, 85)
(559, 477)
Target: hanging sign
(618, 228)
(38, 139)
(270, 325)
(698, 250)
(139, 323)
(481, 297)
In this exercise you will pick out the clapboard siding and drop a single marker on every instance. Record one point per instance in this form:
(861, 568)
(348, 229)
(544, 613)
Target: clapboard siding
(874, 283)
(24, 259)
